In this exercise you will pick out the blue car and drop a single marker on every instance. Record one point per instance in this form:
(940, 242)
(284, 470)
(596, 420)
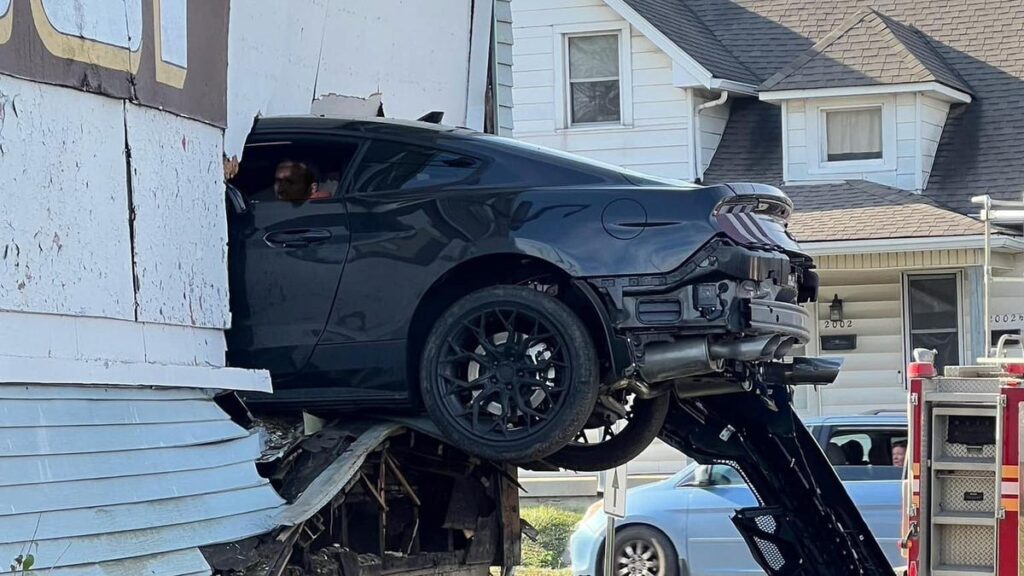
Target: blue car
(681, 526)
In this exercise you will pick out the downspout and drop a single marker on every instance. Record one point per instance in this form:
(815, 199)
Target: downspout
(698, 166)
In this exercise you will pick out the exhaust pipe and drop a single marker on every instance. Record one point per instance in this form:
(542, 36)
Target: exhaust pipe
(695, 356)
(670, 360)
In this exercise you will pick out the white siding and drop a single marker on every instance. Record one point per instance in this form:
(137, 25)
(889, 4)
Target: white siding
(106, 480)
(503, 59)
(177, 177)
(1008, 299)
(657, 142)
(871, 287)
(66, 245)
(712, 124)
(933, 119)
(872, 375)
(796, 151)
(907, 130)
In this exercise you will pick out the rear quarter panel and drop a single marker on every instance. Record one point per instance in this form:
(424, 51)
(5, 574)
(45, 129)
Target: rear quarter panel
(403, 243)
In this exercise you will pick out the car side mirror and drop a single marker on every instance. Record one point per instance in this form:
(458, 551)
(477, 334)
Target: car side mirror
(236, 200)
(702, 475)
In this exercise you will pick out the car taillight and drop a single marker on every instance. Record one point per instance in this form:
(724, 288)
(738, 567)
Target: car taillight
(741, 222)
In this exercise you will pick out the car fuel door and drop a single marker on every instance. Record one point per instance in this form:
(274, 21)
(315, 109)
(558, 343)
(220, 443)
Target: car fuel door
(288, 250)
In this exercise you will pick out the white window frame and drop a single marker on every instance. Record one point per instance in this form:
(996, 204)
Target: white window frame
(563, 101)
(961, 322)
(817, 140)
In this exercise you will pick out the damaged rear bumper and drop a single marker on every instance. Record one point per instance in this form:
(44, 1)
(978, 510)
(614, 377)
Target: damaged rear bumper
(726, 304)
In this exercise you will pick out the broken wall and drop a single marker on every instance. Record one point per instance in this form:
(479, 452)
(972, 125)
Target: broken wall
(415, 54)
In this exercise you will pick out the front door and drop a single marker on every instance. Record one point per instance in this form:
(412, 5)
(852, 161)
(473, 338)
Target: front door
(287, 250)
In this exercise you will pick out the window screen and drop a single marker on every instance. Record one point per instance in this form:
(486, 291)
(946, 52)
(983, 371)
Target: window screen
(934, 316)
(853, 134)
(594, 78)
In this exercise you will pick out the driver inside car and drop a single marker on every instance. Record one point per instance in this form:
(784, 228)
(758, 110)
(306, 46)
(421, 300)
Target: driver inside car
(296, 181)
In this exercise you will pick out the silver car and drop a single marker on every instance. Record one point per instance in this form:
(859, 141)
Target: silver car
(681, 526)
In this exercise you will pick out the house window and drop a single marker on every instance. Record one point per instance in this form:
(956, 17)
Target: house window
(593, 79)
(854, 134)
(934, 316)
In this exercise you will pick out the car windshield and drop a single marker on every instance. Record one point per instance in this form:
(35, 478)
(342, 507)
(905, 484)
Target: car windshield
(633, 176)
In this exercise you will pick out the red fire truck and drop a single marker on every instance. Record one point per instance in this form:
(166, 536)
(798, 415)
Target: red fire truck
(962, 497)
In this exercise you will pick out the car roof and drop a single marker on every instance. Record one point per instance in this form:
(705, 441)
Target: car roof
(878, 419)
(308, 122)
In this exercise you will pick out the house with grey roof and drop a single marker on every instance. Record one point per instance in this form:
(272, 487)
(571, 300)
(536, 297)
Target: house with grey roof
(881, 119)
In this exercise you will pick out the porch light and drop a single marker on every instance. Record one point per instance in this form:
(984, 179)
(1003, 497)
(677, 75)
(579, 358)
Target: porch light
(835, 309)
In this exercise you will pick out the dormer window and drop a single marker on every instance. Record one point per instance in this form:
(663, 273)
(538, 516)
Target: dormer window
(852, 134)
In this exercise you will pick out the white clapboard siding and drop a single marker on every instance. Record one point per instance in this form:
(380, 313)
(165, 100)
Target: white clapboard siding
(50, 392)
(119, 480)
(659, 139)
(1008, 299)
(47, 468)
(712, 126)
(32, 498)
(872, 375)
(504, 57)
(137, 516)
(81, 439)
(177, 563)
(26, 412)
(119, 545)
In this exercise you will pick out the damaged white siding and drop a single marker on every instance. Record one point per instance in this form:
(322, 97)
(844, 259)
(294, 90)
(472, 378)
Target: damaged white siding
(64, 242)
(180, 227)
(134, 476)
(415, 54)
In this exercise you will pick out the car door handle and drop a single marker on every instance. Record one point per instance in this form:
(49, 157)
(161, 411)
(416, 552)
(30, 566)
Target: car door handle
(297, 238)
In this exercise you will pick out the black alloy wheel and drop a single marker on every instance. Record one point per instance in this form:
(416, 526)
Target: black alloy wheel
(509, 373)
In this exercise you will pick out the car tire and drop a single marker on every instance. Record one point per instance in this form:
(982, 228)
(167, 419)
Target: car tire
(633, 543)
(648, 416)
(509, 373)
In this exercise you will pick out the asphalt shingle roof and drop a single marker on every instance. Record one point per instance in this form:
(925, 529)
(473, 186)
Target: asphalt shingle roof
(679, 24)
(979, 43)
(867, 49)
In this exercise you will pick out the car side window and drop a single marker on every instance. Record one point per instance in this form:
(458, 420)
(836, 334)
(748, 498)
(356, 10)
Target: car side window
(722, 475)
(293, 172)
(866, 453)
(389, 166)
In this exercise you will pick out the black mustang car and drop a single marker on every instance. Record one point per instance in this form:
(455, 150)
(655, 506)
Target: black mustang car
(538, 305)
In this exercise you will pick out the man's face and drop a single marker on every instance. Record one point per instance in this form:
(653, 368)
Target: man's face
(899, 454)
(291, 181)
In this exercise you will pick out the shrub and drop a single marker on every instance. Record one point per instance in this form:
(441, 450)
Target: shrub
(554, 526)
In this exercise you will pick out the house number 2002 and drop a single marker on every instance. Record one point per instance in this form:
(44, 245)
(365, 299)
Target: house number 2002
(837, 324)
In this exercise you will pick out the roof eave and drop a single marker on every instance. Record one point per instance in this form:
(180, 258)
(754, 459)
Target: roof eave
(924, 243)
(702, 75)
(934, 89)
(733, 86)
